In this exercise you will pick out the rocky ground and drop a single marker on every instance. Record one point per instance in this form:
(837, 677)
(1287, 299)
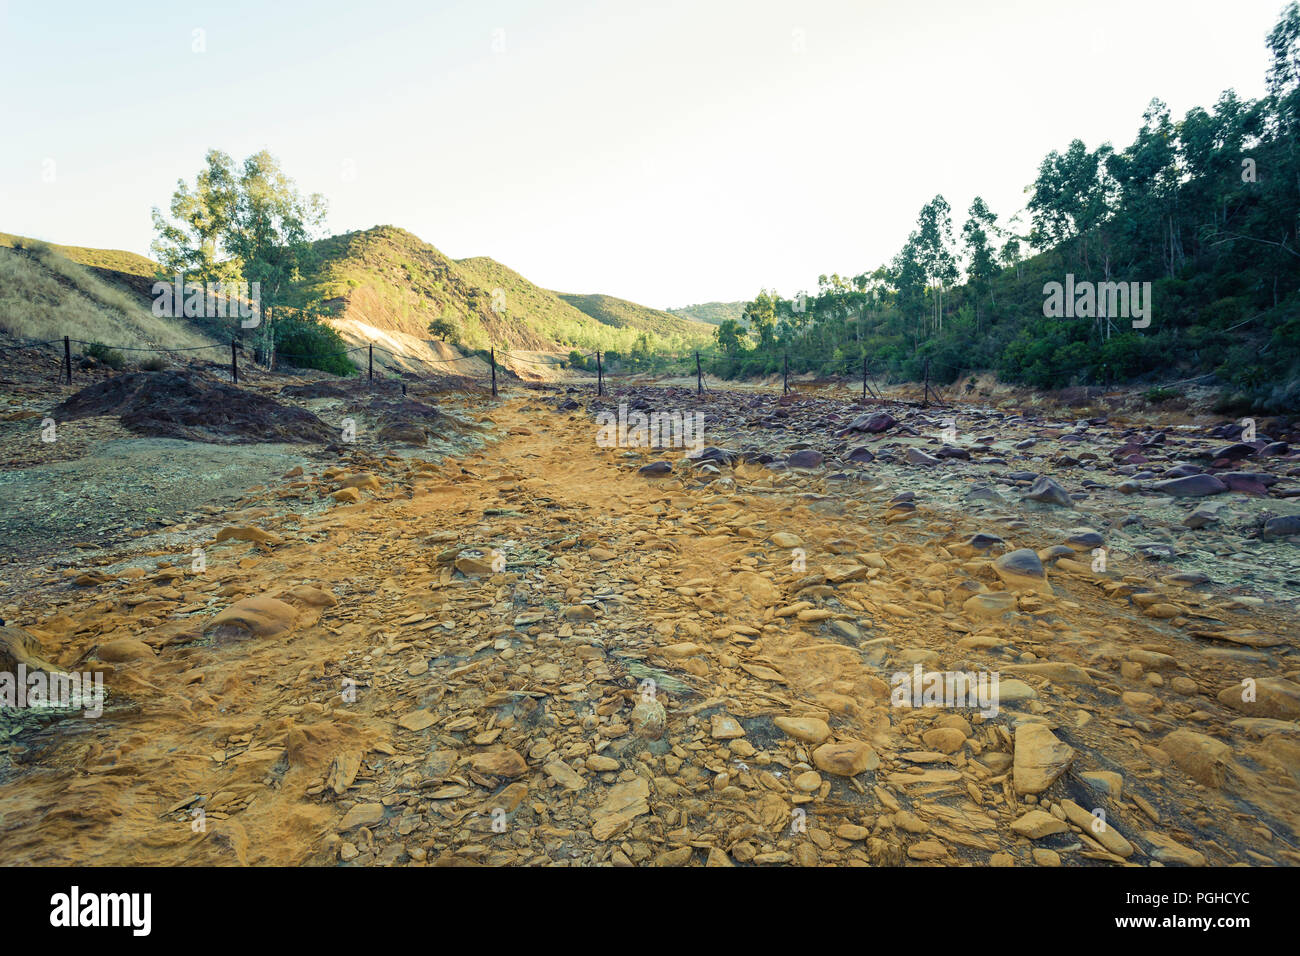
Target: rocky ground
(506, 644)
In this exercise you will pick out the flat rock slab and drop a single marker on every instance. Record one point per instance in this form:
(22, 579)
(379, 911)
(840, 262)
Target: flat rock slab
(1039, 759)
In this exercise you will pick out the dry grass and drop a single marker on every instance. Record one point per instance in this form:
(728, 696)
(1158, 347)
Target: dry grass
(44, 296)
(116, 260)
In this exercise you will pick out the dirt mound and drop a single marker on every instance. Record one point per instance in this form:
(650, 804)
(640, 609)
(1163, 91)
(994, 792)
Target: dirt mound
(411, 422)
(190, 405)
(314, 390)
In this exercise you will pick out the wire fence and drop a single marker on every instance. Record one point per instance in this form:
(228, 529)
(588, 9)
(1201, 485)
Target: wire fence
(493, 360)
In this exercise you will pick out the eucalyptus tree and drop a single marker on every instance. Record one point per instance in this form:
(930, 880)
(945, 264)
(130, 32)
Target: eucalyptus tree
(982, 266)
(248, 221)
(934, 251)
(1071, 196)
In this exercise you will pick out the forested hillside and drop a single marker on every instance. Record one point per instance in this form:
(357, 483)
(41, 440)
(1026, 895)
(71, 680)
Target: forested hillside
(1205, 208)
(713, 313)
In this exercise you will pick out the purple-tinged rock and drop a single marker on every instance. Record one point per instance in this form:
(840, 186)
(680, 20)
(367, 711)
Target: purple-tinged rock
(1192, 486)
(1281, 526)
(873, 422)
(1234, 452)
(805, 458)
(1049, 492)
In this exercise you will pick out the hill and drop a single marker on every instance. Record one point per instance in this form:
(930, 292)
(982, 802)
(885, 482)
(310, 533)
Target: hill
(108, 260)
(622, 314)
(382, 285)
(712, 313)
(386, 285)
(549, 319)
(44, 295)
(594, 321)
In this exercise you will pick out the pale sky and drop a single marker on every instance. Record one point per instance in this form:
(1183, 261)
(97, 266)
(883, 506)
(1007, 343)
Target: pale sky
(666, 152)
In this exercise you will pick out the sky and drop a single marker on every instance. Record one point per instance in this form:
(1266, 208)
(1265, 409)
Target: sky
(669, 153)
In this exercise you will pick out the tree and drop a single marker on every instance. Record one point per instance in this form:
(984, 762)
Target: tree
(760, 317)
(445, 329)
(982, 267)
(1146, 176)
(1010, 254)
(1284, 48)
(203, 213)
(933, 244)
(1284, 97)
(272, 227)
(730, 337)
(248, 221)
(907, 275)
(1071, 196)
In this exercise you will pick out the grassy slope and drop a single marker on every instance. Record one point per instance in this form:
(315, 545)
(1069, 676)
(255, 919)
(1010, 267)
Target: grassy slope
(541, 310)
(390, 279)
(582, 321)
(623, 314)
(712, 313)
(112, 260)
(44, 296)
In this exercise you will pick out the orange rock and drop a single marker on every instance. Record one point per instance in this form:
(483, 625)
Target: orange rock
(125, 649)
(252, 617)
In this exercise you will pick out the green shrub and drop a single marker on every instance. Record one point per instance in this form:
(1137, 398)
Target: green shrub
(104, 355)
(155, 364)
(445, 329)
(1232, 403)
(310, 344)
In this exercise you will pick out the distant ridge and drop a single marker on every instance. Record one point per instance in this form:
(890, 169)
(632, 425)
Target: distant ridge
(712, 313)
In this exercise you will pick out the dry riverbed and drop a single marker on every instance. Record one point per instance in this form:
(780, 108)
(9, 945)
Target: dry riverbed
(531, 652)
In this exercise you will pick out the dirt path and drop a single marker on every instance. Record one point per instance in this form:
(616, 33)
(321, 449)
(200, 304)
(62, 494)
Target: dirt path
(665, 671)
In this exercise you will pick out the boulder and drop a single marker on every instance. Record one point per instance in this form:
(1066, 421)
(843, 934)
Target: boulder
(1202, 758)
(261, 617)
(1191, 486)
(873, 422)
(845, 758)
(1047, 491)
(1039, 759)
(1023, 570)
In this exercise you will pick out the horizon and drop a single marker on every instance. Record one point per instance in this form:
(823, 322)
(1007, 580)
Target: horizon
(700, 143)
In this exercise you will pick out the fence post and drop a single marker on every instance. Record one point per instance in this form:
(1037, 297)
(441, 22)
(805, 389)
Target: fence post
(600, 375)
(372, 361)
(927, 384)
(67, 357)
(864, 380)
(494, 372)
(234, 363)
(785, 381)
(699, 376)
